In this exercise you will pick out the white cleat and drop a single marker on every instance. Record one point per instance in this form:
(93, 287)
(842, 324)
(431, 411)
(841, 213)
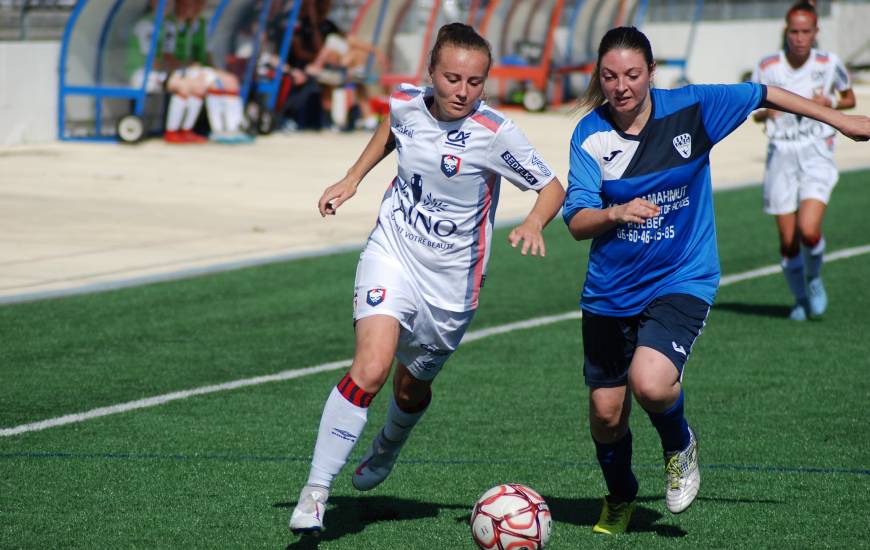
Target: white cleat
(682, 476)
(799, 311)
(375, 466)
(817, 297)
(307, 518)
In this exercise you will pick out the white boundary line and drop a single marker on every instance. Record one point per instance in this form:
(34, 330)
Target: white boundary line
(325, 367)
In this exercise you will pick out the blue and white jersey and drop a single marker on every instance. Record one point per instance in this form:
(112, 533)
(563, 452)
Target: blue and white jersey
(437, 214)
(668, 164)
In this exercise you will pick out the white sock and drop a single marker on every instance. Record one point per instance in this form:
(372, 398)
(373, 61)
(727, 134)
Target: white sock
(214, 108)
(813, 258)
(399, 424)
(793, 269)
(175, 113)
(340, 427)
(194, 105)
(235, 112)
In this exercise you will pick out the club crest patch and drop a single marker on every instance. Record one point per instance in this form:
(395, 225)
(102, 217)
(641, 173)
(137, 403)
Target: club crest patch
(450, 165)
(683, 145)
(376, 296)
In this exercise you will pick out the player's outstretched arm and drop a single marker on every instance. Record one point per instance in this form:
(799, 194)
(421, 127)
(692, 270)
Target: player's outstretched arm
(591, 222)
(856, 127)
(381, 145)
(530, 232)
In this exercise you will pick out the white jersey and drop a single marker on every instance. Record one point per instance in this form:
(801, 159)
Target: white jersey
(822, 74)
(437, 214)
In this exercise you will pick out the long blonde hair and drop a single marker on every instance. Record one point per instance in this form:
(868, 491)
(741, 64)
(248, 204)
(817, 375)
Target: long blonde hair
(619, 38)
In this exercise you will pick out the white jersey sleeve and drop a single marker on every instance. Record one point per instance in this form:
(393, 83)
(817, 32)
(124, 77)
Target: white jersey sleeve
(842, 78)
(513, 157)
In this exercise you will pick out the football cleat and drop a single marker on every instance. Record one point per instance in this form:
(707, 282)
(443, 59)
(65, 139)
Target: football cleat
(615, 515)
(818, 298)
(307, 518)
(375, 466)
(799, 311)
(682, 476)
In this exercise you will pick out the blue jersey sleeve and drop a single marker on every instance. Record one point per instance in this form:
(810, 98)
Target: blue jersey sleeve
(724, 107)
(584, 181)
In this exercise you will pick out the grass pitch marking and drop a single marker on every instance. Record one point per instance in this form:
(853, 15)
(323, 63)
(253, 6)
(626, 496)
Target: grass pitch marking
(335, 365)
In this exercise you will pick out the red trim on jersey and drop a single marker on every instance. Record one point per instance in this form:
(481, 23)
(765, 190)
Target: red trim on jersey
(767, 62)
(220, 91)
(822, 58)
(402, 96)
(353, 393)
(481, 244)
(485, 121)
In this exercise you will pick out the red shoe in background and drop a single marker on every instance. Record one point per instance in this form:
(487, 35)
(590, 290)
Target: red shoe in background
(171, 136)
(192, 137)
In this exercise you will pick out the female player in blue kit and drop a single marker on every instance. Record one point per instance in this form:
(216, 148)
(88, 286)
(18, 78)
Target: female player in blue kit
(639, 186)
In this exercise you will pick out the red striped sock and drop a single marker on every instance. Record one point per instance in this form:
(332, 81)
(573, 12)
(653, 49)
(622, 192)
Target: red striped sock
(353, 393)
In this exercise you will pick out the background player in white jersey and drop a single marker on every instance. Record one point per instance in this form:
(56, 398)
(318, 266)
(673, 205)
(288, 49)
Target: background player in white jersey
(800, 172)
(639, 186)
(420, 274)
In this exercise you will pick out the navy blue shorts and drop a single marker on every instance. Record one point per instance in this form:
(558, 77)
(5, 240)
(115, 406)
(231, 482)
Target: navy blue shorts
(669, 324)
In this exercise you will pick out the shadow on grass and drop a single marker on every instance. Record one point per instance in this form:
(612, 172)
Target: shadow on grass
(584, 512)
(778, 311)
(348, 515)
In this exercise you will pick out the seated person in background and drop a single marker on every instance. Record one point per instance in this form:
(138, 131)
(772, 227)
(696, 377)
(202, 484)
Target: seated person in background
(341, 61)
(139, 44)
(219, 88)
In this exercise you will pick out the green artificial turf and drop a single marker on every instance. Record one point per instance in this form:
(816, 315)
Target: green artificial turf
(779, 408)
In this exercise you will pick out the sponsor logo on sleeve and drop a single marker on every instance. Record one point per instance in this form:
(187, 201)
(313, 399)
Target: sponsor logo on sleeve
(515, 165)
(404, 130)
(376, 296)
(683, 145)
(450, 165)
(542, 166)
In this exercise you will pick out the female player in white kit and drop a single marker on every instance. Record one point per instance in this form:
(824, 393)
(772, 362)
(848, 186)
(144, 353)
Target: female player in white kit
(800, 173)
(420, 274)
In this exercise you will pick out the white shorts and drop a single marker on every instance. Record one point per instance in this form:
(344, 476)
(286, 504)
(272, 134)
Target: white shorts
(209, 76)
(795, 173)
(155, 80)
(336, 43)
(427, 334)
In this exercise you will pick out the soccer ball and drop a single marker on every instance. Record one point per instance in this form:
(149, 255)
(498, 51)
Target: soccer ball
(511, 516)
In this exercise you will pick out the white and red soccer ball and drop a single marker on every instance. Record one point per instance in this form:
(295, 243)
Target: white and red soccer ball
(511, 517)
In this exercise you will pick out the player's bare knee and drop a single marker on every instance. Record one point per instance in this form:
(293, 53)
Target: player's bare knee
(369, 375)
(810, 237)
(652, 395)
(605, 418)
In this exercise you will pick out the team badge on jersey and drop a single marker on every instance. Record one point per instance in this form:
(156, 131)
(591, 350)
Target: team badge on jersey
(376, 296)
(683, 145)
(450, 165)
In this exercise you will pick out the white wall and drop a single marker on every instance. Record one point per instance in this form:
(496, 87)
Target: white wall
(28, 92)
(724, 50)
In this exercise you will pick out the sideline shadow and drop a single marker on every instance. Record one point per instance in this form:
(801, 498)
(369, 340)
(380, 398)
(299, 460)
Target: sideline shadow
(777, 311)
(349, 515)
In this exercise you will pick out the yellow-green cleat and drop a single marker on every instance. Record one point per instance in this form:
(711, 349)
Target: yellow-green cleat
(615, 515)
